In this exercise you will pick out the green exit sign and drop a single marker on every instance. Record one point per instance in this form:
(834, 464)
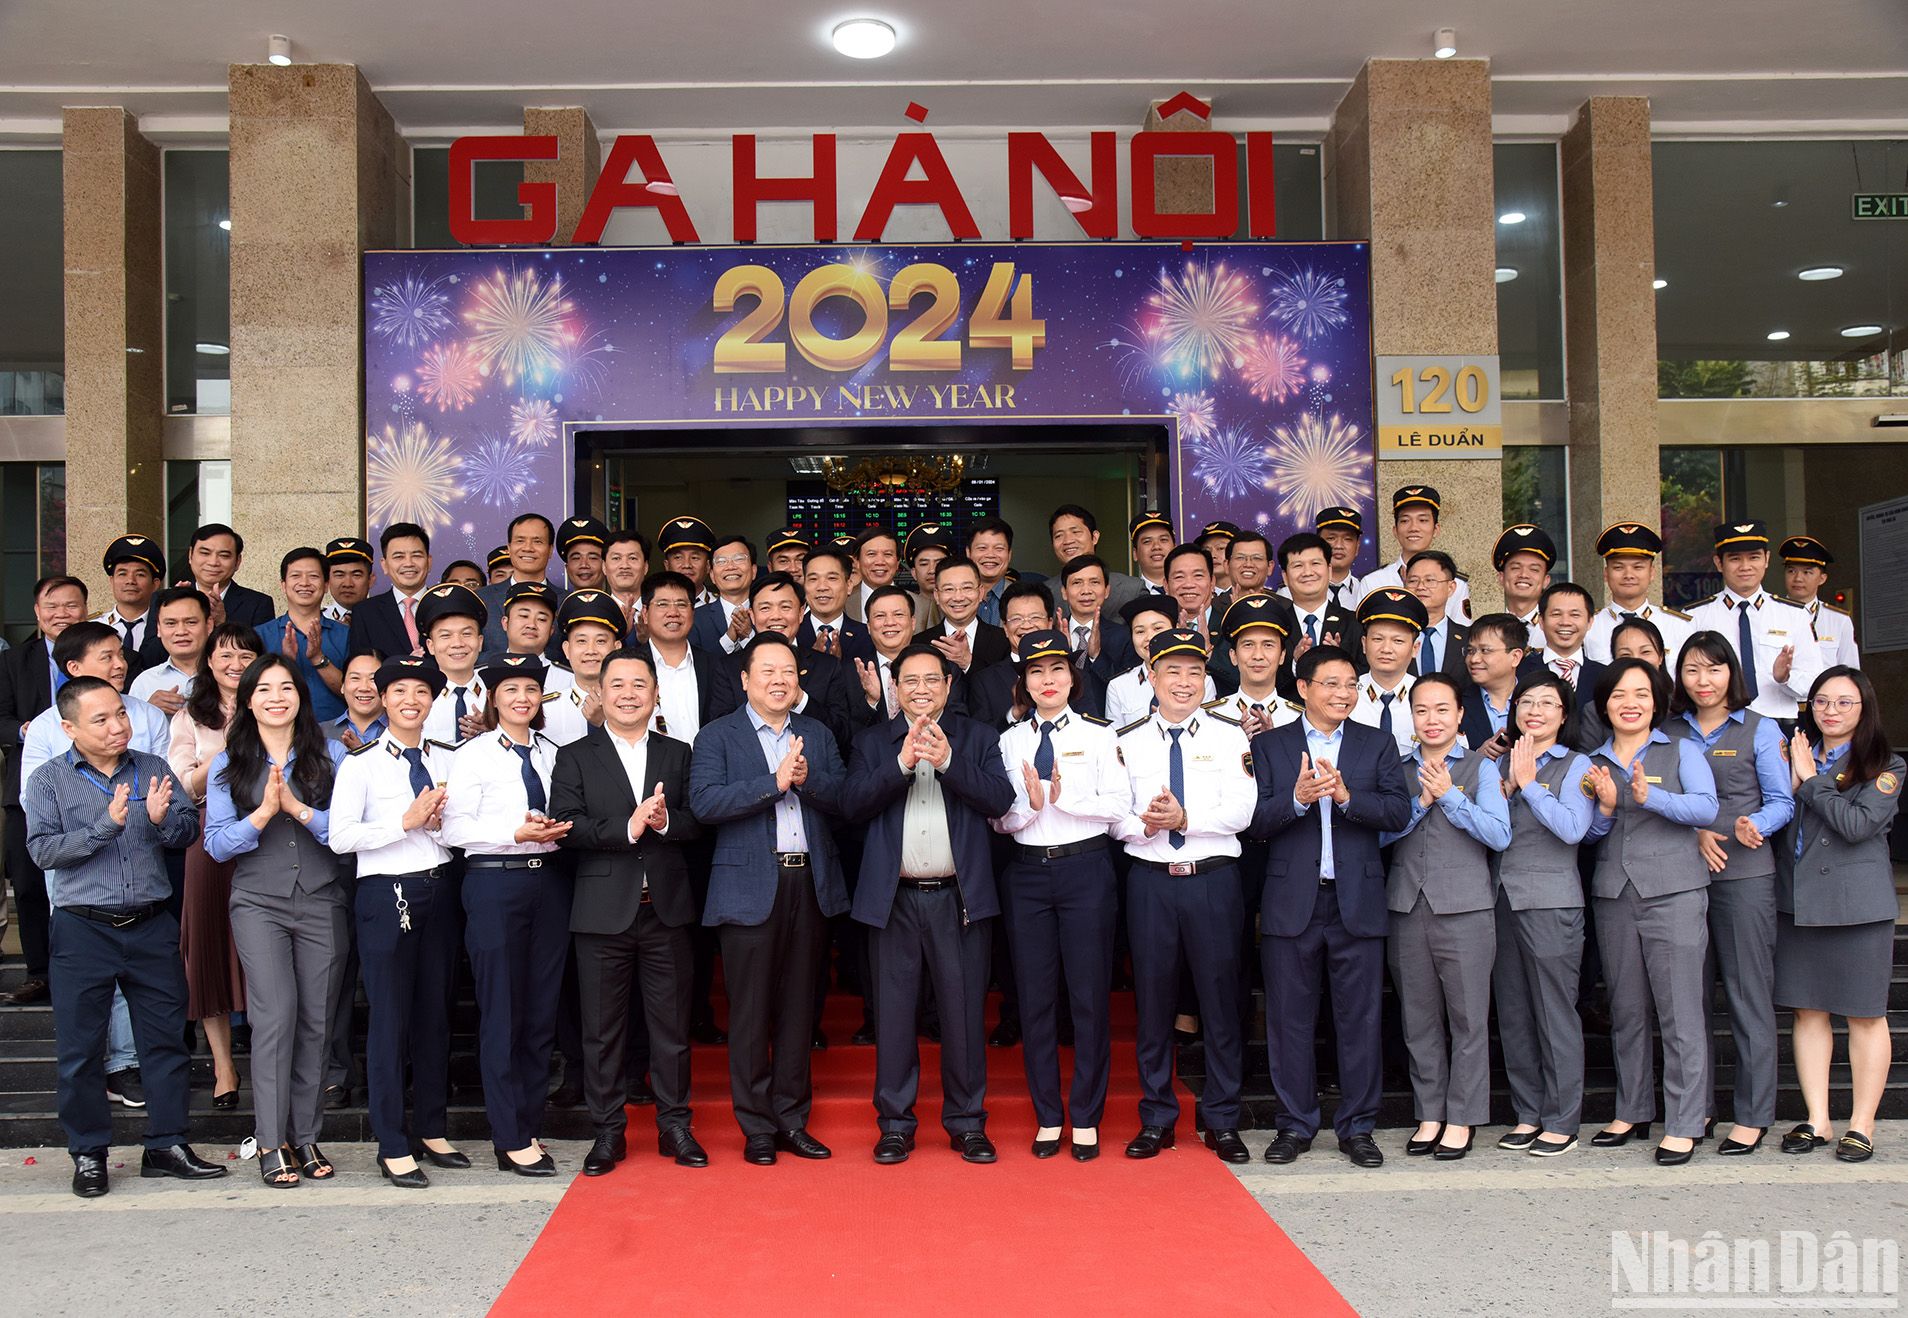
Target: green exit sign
(1880, 205)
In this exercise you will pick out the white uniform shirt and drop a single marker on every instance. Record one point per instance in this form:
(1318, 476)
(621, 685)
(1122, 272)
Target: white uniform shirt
(441, 723)
(563, 719)
(486, 802)
(1392, 575)
(368, 801)
(678, 697)
(1836, 631)
(139, 627)
(1536, 639)
(1130, 695)
(1371, 707)
(1773, 624)
(1220, 789)
(1674, 626)
(1094, 791)
(161, 677)
(1239, 704)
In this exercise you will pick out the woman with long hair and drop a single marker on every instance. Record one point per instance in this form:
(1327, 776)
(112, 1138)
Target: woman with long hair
(1836, 904)
(1650, 891)
(1744, 751)
(215, 979)
(1540, 918)
(266, 810)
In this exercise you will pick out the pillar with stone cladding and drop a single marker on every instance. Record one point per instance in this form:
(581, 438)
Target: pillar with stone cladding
(574, 171)
(1408, 167)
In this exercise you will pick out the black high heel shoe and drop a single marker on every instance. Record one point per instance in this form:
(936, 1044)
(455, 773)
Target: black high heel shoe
(1733, 1148)
(1615, 1139)
(1418, 1148)
(1674, 1157)
(1452, 1152)
(415, 1179)
(544, 1166)
(454, 1160)
(227, 1101)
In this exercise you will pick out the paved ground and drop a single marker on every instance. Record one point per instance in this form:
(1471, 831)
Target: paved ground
(1498, 1233)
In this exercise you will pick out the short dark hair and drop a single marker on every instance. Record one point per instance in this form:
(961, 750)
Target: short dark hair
(1651, 633)
(742, 540)
(656, 581)
(1436, 556)
(211, 529)
(1712, 648)
(628, 534)
(1198, 551)
(842, 560)
(628, 656)
(876, 533)
(1248, 537)
(57, 581)
(887, 592)
(180, 595)
(1027, 590)
(954, 562)
(457, 563)
(918, 651)
(1542, 679)
(1072, 510)
(1079, 563)
(297, 555)
(1507, 627)
(77, 689)
(762, 640)
(1566, 588)
(777, 581)
(1296, 544)
(549, 531)
(76, 640)
(403, 531)
(1438, 679)
(1622, 668)
(1310, 662)
(998, 525)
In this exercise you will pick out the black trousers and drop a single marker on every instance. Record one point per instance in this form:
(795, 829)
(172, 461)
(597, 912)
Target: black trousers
(657, 962)
(1355, 967)
(517, 928)
(29, 894)
(769, 970)
(88, 959)
(925, 935)
(1063, 911)
(407, 977)
(1191, 920)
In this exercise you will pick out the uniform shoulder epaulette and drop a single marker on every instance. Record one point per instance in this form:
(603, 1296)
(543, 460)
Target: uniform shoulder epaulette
(1697, 604)
(443, 745)
(1463, 575)
(548, 696)
(1295, 707)
(1677, 613)
(1835, 608)
(1220, 703)
(1784, 599)
(366, 746)
(1136, 724)
(1094, 719)
(1225, 718)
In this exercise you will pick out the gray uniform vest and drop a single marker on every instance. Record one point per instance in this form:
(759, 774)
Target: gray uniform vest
(1643, 848)
(1538, 871)
(1732, 759)
(1449, 866)
(287, 859)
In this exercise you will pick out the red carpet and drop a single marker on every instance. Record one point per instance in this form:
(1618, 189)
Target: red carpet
(933, 1235)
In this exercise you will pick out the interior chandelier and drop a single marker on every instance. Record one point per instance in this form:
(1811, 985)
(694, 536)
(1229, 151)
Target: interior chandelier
(899, 471)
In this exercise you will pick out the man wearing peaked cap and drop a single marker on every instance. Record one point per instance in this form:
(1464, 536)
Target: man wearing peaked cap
(450, 619)
(347, 576)
(497, 564)
(1523, 557)
(1805, 565)
(136, 568)
(589, 629)
(1389, 624)
(529, 610)
(1629, 551)
(1344, 530)
(1773, 637)
(687, 545)
(1152, 536)
(1215, 539)
(580, 544)
(1416, 517)
(1259, 631)
(786, 547)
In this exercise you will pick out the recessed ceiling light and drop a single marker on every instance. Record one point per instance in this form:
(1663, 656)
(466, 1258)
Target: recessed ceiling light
(226, 225)
(212, 349)
(135, 350)
(278, 49)
(1659, 284)
(1816, 273)
(1512, 217)
(1506, 273)
(1776, 336)
(863, 38)
(1861, 331)
(1444, 42)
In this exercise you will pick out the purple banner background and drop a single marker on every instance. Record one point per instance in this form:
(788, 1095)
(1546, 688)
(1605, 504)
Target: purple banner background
(479, 363)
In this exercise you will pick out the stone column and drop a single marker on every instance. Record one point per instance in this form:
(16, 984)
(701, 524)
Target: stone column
(575, 168)
(319, 174)
(1182, 185)
(1609, 249)
(115, 338)
(1408, 167)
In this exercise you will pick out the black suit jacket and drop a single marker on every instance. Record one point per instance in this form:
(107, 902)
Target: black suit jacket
(1451, 658)
(990, 643)
(718, 688)
(243, 604)
(1116, 649)
(988, 694)
(26, 689)
(378, 624)
(853, 636)
(590, 791)
(1350, 640)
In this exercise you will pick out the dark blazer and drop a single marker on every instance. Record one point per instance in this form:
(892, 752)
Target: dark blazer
(1451, 657)
(378, 624)
(1845, 874)
(853, 635)
(988, 694)
(1116, 649)
(974, 789)
(590, 791)
(26, 689)
(718, 688)
(1380, 801)
(243, 604)
(990, 643)
(709, 627)
(732, 789)
(1475, 725)
(833, 690)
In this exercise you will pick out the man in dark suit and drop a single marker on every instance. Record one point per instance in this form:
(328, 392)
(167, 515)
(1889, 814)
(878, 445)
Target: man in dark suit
(928, 781)
(1305, 560)
(723, 622)
(1493, 653)
(624, 791)
(531, 540)
(1327, 787)
(213, 557)
(767, 778)
(1432, 576)
(387, 622)
(1564, 614)
(26, 690)
(826, 573)
(961, 637)
(1099, 640)
(695, 687)
(831, 692)
(135, 569)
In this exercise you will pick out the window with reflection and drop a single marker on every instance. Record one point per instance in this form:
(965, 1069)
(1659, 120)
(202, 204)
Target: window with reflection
(198, 283)
(1529, 269)
(32, 538)
(1768, 285)
(1537, 490)
(1692, 496)
(33, 328)
(493, 194)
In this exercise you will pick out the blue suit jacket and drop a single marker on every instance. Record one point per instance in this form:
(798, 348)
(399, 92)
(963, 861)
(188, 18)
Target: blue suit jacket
(710, 626)
(732, 790)
(974, 787)
(1380, 802)
(853, 635)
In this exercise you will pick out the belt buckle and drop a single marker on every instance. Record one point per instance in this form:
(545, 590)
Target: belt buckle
(1181, 868)
(533, 864)
(1051, 853)
(122, 920)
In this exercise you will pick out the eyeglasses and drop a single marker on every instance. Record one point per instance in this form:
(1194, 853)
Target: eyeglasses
(731, 560)
(1485, 651)
(1530, 703)
(1335, 685)
(1840, 704)
(920, 681)
(1425, 583)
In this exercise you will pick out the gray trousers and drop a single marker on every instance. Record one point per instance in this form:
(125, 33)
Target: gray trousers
(1653, 950)
(1441, 967)
(1535, 981)
(1742, 932)
(293, 951)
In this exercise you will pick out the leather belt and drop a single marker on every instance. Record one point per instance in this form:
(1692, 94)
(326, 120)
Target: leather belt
(434, 872)
(792, 860)
(124, 917)
(1182, 868)
(1064, 849)
(506, 862)
(926, 885)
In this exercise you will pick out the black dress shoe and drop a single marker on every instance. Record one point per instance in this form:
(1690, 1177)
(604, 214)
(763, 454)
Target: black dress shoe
(1854, 1147)
(1363, 1151)
(1616, 1139)
(226, 1102)
(1737, 1149)
(801, 1144)
(336, 1097)
(707, 1033)
(1085, 1152)
(1228, 1145)
(865, 1036)
(973, 1146)
(89, 1174)
(456, 1160)
(1515, 1139)
(1005, 1035)
(1046, 1148)
(1286, 1147)
(1452, 1152)
(638, 1092)
(1802, 1139)
(544, 1166)
(611, 1147)
(1149, 1141)
(893, 1147)
(679, 1144)
(178, 1161)
(1674, 1157)
(415, 1179)
(760, 1150)
(1418, 1148)
(30, 992)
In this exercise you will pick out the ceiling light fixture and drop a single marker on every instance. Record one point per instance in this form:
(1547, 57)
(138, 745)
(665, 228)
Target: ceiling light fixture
(1776, 336)
(1444, 43)
(863, 38)
(1659, 284)
(278, 50)
(1506, 273)
(212, 349)
(1816, 273)
(1861, 331)
(1512, 217)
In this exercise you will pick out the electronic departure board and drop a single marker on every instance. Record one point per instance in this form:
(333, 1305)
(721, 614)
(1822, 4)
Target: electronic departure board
(826, 514)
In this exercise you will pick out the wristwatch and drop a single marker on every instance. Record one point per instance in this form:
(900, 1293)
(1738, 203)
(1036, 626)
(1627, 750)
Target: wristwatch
(304, 816)
(318, 660)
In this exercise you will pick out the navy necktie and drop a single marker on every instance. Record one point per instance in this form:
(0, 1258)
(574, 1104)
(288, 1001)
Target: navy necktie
(1428, 658)
(532, 785)
(1311, 628)
(1746, 649)
(420, 776)
(1176, 782)
(1043, 754)
(827, 634)
(460, 711)
(1384, 715)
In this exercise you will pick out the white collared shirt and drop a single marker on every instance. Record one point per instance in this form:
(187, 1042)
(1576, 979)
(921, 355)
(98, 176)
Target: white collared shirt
(1220, 789)
(1391, 575)
(1094, 790)
(486, 803)
(163, 677)
(1836, 631)
(729, 644)
(1371, 707)
(634, 757)
(1673, 627)
(139, 627)
(368, 801)
(1239, 704)
(678, 697)
(1773, 624)
(441, 723)
(1130, 695)
(563, 717)
(1552, 659)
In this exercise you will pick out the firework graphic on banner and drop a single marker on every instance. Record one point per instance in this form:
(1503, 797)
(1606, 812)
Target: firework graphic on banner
(519, 324)
(1318, 462)
(410, 312)
(533, 422)
(1309, 302)
(1203, 318)
(1232, 464)
(410, 475)
(1196, 414)
(1272, 368)
(498, 472)
(449, 376)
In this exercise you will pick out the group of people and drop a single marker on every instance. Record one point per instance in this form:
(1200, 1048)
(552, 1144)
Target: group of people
(700, 747)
